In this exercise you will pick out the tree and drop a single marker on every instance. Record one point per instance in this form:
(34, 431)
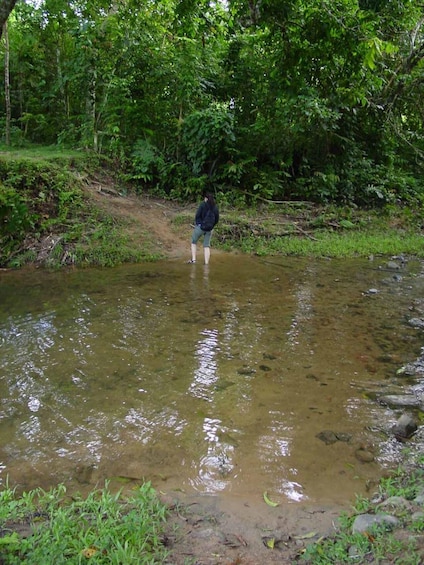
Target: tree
(6, 6)
(7, 83)
(317, 99)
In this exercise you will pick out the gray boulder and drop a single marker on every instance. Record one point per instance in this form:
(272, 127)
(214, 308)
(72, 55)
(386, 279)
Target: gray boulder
(416, 323)
(365, 522)
(411, 369)
(405, 427)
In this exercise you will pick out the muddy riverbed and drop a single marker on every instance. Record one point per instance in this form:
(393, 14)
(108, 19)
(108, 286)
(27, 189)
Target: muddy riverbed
(215, 383)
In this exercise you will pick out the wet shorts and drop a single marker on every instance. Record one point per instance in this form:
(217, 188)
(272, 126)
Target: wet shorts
(197, 234)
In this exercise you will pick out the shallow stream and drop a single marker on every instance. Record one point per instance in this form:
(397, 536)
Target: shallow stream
(205, 379)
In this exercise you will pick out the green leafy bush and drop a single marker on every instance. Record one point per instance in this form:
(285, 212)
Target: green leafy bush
(15, 218)
(207, 136)
(146, 162)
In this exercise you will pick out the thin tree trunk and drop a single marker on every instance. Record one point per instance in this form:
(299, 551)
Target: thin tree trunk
(7, 82)
(60, 76)
(94, 112)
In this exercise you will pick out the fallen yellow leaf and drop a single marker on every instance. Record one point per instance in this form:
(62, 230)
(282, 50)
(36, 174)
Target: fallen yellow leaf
(306, 536)
(270, 543)
(89, 552)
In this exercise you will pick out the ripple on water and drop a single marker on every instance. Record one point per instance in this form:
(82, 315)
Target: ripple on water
(212, 381)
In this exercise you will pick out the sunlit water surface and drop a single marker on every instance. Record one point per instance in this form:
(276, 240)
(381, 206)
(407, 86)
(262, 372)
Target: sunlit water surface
(209, 380)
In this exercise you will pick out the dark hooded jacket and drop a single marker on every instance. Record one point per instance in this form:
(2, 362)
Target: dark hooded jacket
(207, 216)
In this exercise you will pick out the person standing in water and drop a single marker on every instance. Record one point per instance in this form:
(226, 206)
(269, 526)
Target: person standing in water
(207, 216)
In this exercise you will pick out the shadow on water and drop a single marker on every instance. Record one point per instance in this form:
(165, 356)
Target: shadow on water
(218, 379)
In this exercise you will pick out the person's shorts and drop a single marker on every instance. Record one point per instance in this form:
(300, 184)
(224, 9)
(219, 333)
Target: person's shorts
(197, 234)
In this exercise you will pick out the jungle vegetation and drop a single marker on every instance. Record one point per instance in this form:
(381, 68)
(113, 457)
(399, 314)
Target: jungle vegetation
(294, 100)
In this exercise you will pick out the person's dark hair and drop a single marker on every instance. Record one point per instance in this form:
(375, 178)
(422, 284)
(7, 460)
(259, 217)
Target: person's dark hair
(211, 199)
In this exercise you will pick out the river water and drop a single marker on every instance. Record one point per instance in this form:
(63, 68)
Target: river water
(206, 380)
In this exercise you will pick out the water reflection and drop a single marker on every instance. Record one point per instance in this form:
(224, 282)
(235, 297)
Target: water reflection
(216, 465)
(213, 379)
(275, 448)
(302, 320)
(205, 376)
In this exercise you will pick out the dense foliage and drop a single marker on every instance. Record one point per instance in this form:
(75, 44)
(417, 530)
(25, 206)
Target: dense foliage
(299, 100)
(47, 218)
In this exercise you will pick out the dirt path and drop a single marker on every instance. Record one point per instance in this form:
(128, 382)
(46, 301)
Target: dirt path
(148, 220)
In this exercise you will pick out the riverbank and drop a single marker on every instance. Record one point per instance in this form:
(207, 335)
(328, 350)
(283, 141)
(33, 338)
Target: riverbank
(386, 528)
(105, 526)
(92, 219)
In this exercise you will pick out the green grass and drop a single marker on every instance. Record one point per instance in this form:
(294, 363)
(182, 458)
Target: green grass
(101, 528)
(347, 244)
(323, 231)
(37, 152)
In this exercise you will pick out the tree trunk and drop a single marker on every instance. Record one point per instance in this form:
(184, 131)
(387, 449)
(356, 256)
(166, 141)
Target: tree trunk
(94, 112)
(6, 6)
(7, 82)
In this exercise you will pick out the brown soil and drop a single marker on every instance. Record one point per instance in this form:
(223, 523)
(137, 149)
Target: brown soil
(148, 221)
(211, 530)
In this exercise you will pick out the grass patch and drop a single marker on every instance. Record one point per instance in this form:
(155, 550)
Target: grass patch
(349, 244)
(101, 528)
(51, 153)
(106, 244)
(337, 233)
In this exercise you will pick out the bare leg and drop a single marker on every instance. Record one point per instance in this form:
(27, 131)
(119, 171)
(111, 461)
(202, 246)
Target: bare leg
(193, 252)
(207, 255)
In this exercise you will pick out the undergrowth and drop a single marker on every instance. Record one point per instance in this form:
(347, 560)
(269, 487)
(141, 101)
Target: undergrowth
(46, 219)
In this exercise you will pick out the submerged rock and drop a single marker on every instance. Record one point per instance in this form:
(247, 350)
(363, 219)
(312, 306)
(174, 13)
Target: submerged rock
(364, 455)
(393, 266)
(329, 437)
(401, 400)
(246, 371)
(372, 291)
(83, 473)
